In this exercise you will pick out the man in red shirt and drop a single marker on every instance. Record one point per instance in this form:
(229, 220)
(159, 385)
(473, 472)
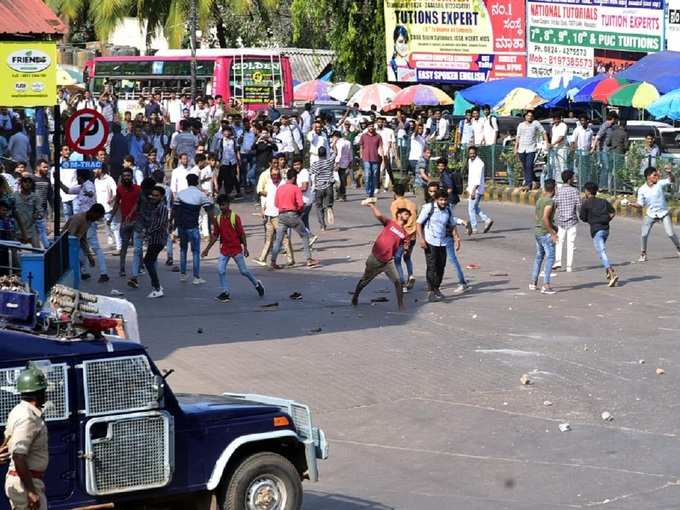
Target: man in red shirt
(370, 144)
(289, 202)
(127, 195)
(381, 259)
(229, 230)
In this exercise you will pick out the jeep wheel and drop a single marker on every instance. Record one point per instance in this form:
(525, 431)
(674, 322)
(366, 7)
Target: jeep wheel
(264, 481)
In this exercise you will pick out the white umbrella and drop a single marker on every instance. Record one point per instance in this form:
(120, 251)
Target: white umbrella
(344, 90)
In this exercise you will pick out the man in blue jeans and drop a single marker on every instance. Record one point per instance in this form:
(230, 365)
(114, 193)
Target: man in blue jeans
(598, 213)
(371, 144)
(185, 214)
(545, 233)
(475, 190)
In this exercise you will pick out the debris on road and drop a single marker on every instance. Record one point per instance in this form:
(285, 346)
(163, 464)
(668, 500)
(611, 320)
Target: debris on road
(660, 371)
(607, 416)
(474, 315)
(547, 403)
(296, 296)
(525, 380)
(116, 292)
(381, 299)
(564, 427)
(199, 331)
(641, 362)
(472, 266)
(498, 273)
(315, 330)
(270, 305)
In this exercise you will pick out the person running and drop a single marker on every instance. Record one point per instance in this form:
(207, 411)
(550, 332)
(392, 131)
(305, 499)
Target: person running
(322, 174)
(186, 211)
(381, 259)
(405, 250)
(155, 235)
(229, 230)
(651, 195)
(127, 195)
(598, 213)
(435, 223)
(475, 189)
(567, 203)
(288, 201)
(545, 233)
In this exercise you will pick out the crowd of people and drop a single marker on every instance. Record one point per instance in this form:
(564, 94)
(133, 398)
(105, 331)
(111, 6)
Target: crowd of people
(150, 190)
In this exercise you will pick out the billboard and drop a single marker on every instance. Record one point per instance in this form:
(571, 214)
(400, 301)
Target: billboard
(28, 73)
(673, 25)
(454, 41)
(573, 35)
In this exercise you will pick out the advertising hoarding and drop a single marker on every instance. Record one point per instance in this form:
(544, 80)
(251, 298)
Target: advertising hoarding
(28, 73)
(454, 41)
(573, 35)
(673, 25)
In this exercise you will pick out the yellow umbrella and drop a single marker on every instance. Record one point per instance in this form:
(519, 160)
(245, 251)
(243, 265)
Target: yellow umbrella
(518, 99)
(637, 95)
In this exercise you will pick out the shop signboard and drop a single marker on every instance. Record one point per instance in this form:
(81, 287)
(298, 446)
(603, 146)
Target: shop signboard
(28, 73)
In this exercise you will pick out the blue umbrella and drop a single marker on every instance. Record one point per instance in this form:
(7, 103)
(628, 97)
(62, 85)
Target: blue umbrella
(460, 104)
(493, 92)
(585, 90)
(667, 105)
(660, 69)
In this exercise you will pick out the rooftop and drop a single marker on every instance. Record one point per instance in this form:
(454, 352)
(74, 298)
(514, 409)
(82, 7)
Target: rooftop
(29, 17)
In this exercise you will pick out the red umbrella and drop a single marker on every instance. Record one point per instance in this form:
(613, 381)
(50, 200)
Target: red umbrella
(606, 88)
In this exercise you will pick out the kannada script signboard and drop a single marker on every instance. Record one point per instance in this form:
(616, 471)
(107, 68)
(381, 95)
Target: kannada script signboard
(454, 41)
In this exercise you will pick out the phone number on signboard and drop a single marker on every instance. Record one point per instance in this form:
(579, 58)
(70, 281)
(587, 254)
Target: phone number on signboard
(560, 60)
(562, 50)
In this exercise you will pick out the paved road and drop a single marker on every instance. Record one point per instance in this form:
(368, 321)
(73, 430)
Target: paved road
(425, 409)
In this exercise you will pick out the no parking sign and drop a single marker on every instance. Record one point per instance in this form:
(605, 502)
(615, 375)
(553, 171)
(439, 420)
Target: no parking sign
(86, 131)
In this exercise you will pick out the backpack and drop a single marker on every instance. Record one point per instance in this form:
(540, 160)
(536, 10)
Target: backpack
(232, 219)
(431, 212)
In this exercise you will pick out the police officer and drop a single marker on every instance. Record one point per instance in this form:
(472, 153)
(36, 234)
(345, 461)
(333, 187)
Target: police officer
(26, 438)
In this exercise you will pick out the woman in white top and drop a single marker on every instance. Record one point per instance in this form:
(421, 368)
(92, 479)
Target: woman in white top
(417, 146)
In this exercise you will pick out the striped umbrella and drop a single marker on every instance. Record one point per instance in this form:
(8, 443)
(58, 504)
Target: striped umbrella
(420, 95)
(606, 88)
(344, 90)
(637, 95)
(583, 93)
(518, 99)
(313, 90)
(378, 94)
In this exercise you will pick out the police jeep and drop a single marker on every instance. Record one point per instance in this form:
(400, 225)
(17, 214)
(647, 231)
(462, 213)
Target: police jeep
(119, 436)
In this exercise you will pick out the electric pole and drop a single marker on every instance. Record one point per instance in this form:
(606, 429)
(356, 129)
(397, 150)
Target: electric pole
(192, 39)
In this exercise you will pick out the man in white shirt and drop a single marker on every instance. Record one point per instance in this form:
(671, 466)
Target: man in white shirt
(558, 147)
(105, 188)
(87, 102)
(305, 183)
(202, 113)
(581, 143)
(288, 139)
(490, 124)
(178, 179)
(306, 119)
(173, 108)
(343, 161)
(477, 128)
(386, 152)
(68, 177)
(205, 183)
(475, 188)
(316, 139)
(441, 131)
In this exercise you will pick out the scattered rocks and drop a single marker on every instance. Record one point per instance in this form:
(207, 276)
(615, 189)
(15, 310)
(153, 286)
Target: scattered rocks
(641, 361)
(296, 296)
(472, 266)
(199, 331)
(547, 403)
(270, 305)
(525, 379)
(564, 427)
(315, 330)
(660, 371)
(116, 292)
(498, 273)
(607, 416)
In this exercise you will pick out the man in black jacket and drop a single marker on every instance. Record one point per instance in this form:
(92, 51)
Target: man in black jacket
(598, 213)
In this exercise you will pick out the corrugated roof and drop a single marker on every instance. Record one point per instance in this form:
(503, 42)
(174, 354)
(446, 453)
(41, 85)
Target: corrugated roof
(308, 64)
(29, 17)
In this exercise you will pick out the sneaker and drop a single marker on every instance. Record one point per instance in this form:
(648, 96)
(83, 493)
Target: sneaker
(223, 298)
(373, 200)
(259, 262)
(116, 253)
(460, 289)
(198, 281)
(313, 263)
(85, 276)
(169, 261)
(276, 266)
(557, 267)
(439, 294)
(643, 257)
(488, 225)
(183, 278)
(103, 278)
(155, 294)
(121, 273)
(259, 288)
(404, 289)
(432, 297)
(533, 286)
(547, 290)
(613, 279)
(313, 240)
(411, 282)
(468, 228)
(366, 201)
(569, 270)
(133, 283)
(330, 216)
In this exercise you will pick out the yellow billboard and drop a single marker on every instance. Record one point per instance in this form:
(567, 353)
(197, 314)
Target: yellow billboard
(28, 73)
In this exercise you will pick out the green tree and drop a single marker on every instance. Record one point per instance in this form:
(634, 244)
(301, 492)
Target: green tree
(354, 29)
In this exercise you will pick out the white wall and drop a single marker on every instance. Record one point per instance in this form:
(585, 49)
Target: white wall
(131, 33)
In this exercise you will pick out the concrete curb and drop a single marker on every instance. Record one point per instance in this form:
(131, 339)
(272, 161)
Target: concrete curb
(519, 196)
